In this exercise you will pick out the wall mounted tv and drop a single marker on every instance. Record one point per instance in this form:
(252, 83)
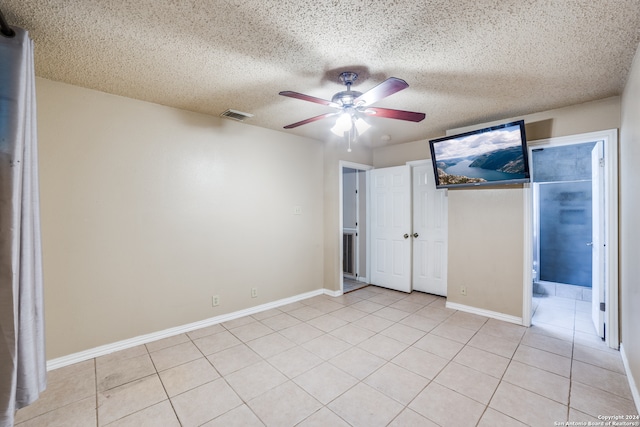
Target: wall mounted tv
(496, 155)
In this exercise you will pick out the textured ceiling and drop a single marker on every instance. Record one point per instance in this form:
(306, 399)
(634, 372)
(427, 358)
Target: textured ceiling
(466, 61)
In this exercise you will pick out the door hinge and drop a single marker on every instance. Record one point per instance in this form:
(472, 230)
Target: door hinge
(356, 191)
(356, 234)
(602, 306)
(601, 162)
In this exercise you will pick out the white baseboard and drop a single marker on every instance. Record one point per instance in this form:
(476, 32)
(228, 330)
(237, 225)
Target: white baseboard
(143, 339)
(632, 383)
(486, 313)
(332, 293)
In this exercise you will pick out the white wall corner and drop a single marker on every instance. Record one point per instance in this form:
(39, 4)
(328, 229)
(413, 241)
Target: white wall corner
(332, 293)
(632, 382)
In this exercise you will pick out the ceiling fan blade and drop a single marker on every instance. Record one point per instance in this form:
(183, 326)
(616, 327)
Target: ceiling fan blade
(312, 119)
(410, 116)
(309, 98)
(384, 89)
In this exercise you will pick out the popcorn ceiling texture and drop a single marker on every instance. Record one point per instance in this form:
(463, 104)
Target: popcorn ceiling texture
(466, 61)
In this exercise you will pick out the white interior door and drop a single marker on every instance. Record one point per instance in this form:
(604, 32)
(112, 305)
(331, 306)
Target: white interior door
(390, 216)
(597, 250)
(429, 233)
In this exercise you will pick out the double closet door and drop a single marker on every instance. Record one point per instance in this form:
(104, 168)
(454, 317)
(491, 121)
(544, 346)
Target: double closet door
(408, 217)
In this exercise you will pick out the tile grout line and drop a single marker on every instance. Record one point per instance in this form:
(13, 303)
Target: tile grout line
(573, 350)
(500, 382)
(405, 406)
(432, 380)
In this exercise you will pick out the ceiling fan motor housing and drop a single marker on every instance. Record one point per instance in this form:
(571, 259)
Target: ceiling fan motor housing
(346, 97)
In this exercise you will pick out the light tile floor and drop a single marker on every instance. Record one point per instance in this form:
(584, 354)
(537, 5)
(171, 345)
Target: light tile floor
(373, 357)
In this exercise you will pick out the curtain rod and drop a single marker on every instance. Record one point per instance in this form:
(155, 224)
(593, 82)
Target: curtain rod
(5, 29)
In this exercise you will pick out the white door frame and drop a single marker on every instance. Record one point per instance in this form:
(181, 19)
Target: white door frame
(343, 164)
(597, 236)
(610, 138)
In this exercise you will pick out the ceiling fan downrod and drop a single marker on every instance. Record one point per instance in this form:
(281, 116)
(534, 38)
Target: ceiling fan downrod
(347, 78)
(347, 97)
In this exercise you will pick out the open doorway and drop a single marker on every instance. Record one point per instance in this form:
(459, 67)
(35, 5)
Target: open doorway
(563, 203)
(353, 226)
(574, 234)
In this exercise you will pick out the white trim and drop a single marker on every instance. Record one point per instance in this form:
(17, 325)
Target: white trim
(154, 336)
(486, 313)
(527, 276)
(632, 383)
(332, 293)
(352, 165)
(611, 238)
(610, 138)
(349, 165)
(423, 162)
(363, 279)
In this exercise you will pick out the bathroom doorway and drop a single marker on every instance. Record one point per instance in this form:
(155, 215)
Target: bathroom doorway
(564, 219)
(567, 173)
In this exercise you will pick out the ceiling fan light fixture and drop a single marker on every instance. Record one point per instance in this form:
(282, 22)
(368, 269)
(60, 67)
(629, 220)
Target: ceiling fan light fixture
(361, 125)
(343, 124)
(346, 122)
(354, 104)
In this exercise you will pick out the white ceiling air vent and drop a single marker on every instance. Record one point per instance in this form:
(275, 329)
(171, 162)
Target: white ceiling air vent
(236, 115)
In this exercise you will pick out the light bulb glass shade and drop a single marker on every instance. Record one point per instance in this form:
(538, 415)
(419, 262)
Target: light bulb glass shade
(346, 122)
(343, 124)
(361, 126)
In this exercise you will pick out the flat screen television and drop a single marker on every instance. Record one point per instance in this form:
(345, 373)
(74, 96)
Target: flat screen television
(496, 155)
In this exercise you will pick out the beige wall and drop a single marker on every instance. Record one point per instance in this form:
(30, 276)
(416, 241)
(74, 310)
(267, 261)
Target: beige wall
(400, 154)
(629, 224)
(486, 226)
(486, 249)
(149, 211)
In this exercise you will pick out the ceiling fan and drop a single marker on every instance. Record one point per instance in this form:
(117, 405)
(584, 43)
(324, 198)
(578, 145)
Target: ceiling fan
(352, 105)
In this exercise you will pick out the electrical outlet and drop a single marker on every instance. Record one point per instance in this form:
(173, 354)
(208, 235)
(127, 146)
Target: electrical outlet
(254, 292)
(215, 300)
(463, 290)
(297, 210)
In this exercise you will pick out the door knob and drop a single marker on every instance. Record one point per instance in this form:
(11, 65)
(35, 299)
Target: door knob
(406, 236)
(590, 244)
(415, 235)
